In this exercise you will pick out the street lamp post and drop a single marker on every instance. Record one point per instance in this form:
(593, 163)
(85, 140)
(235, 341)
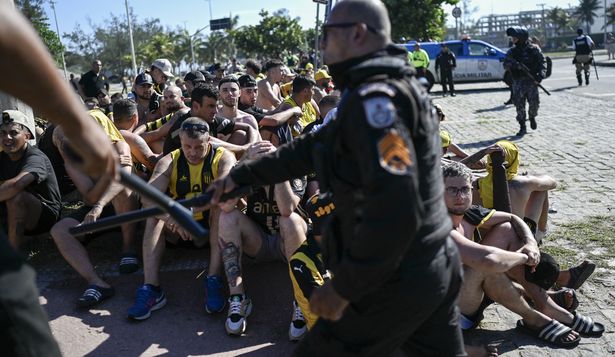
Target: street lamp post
(53, 7)
(132, 44)
(192, 45)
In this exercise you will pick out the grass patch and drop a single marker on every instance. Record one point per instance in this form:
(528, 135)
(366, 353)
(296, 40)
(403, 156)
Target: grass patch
(561, 186)
(594, 236)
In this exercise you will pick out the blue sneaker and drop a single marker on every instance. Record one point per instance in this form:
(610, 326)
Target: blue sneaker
(148, 299)
(214, 296)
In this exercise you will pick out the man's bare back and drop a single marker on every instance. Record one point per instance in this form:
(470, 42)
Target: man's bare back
(268, 95)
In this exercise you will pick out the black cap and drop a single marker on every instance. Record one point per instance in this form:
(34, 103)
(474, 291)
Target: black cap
(194, 76)
(247, 81)
(207, 76)
(580, 31)
(144, 78)
(546, 272)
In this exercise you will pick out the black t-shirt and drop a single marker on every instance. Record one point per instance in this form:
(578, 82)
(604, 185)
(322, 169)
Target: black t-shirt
(477, 215)
(263, 208)
(34, 161)
(282, 131)
(65, 183)
(218, 126)
(92, 82)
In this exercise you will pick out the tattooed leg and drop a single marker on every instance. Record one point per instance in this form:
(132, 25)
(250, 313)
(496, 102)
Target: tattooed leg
(230, 258)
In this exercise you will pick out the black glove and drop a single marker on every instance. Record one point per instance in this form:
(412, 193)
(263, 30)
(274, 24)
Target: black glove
(154, 102)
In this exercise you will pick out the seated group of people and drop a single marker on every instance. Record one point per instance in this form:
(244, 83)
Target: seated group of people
(183, 144)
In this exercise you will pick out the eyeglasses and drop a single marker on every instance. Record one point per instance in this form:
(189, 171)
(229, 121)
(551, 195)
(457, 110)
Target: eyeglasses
(463, 191)
(194, 127)
(325, 27)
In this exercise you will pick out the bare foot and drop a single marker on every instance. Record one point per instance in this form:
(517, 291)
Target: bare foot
(481, 351)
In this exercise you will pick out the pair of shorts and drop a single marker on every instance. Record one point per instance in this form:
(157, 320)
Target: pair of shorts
(80, 213)
(45, 221)
(271, 249)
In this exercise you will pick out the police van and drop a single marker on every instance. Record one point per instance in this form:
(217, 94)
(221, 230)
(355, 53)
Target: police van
(477, 61)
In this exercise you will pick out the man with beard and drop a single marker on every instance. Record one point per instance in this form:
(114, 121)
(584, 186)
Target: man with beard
(229, 96)
(269, 96)
(141, 94)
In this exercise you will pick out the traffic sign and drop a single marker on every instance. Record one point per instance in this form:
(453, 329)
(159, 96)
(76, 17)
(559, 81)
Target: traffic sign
(456, 12)
(220, 24)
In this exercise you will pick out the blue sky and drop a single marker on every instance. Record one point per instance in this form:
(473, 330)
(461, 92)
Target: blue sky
(194, 14)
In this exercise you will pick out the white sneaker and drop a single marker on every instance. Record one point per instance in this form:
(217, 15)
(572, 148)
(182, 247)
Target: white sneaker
(298, 327)
(240, 307)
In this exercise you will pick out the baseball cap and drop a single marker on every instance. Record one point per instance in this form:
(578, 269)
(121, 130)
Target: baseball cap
(309, 66)
(15, 116)
(321, 74)
(247, 81)
(194, 76)
(144, 78)
(165, 66)
(546, 272)
(287, 72)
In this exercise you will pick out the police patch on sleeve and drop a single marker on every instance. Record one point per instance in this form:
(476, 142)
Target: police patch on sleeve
(394, 154)
(380, 112)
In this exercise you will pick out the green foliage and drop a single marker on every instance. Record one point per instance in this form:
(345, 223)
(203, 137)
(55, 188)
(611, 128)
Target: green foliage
(417, 19)
(586, 12)
(559, 19)
(33, 11)
(610, 15)
(274, 36)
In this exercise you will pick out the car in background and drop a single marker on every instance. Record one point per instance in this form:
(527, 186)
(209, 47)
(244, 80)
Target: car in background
(477, 61)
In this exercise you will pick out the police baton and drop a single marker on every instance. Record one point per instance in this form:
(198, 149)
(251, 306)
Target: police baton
(527, 72)
(594, 63)
(178, 210)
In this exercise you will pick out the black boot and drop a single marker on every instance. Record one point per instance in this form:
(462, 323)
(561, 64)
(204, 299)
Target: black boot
(587, 79)
(522, 129)
(579, 80)
(508, 102)
(533, 123)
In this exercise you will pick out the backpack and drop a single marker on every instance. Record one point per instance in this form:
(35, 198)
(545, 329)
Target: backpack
(549, 66)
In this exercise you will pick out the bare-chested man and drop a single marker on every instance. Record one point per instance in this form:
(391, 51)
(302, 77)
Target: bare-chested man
(269, 96)
(229, 96)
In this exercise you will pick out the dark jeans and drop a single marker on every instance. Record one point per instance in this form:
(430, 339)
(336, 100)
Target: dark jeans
(417, 313)
(24, 330)
(446, 77)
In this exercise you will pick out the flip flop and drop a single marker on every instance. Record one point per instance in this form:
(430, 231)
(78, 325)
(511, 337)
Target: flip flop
(93, 295)
(129, 263)
(559, 297)
(580, 273)
(586, 326)
(554, 332)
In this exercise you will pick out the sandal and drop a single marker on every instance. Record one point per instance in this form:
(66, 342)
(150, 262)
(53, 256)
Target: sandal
(129, 264)
(559, 297)
(93, 295)
(580, 273)
(554, 332)
(586, 326)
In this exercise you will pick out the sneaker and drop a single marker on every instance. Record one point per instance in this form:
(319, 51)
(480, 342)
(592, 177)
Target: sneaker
(129, 264)
(214, 296)
(240, 307)
(149, 298)
(453, 95)
(298, 327)
(533, 124)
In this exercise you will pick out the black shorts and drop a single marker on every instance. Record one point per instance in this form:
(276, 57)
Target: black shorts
(45, 221)
(80, 213)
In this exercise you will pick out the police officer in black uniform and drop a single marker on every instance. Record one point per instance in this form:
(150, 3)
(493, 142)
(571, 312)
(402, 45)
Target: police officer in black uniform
(583, 56)
(524, 87)
(396, 274)
(446, 62)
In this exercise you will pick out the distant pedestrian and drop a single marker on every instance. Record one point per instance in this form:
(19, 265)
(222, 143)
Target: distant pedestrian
(446, 62)
(527, 66)
(583, 56)
(420, 60)
(92, 81)
(610, 45)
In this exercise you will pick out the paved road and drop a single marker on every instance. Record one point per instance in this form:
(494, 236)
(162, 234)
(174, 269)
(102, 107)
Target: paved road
(574, 146)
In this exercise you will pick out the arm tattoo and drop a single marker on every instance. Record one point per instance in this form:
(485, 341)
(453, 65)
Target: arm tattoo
(230, 258)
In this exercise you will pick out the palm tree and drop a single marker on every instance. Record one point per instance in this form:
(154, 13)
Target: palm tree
(558, 18)
(587, 12)
(610, 15)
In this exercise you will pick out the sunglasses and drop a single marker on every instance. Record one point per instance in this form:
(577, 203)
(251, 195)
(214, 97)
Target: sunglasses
(325, 27)
(194, 127)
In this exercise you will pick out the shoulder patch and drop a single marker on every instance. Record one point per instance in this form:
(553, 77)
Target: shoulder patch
(377, 88)
(394, 154)
(379, 111)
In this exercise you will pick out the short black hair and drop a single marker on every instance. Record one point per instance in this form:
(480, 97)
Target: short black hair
(580, 31)
(204, 90)
(273, 64)
(253, 65)
(228, 79)
(329, 100)
(301, 82)
(123, 109)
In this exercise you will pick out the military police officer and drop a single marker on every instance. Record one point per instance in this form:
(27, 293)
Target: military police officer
(528, 67)
(583, 57)
(396, 274)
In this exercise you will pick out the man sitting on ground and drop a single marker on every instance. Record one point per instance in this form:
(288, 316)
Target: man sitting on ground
(126, 120)
(183, 173)
(268, 88)
(301, 97)
(29, 194)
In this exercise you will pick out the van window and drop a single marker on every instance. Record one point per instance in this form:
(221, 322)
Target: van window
(456, 48)
(478, 49)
